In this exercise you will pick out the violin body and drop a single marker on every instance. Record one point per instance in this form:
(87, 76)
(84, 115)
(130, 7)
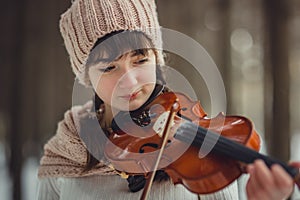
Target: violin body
(205, 155)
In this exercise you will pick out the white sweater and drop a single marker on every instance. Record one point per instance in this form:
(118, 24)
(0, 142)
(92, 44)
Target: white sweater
(113, 187)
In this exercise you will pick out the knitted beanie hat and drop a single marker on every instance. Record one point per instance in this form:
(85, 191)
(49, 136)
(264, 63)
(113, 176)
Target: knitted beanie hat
(88, 20)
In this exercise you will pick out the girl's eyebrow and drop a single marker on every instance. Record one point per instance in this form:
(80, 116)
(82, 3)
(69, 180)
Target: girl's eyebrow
(100, 62)
(109, 60)
(137, 52)
(104, 60)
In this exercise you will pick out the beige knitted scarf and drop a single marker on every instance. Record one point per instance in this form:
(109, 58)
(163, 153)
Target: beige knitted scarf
(65, 154)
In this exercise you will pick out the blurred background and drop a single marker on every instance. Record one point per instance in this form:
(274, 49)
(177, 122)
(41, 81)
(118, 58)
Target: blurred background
(255, 44)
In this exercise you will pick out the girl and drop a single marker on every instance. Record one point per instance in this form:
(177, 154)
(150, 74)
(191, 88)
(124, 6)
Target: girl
(115, 48)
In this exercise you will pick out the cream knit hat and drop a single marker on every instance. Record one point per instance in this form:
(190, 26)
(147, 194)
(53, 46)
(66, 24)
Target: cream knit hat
(88, 20)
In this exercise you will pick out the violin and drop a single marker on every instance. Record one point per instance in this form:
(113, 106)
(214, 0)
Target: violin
(205, 155)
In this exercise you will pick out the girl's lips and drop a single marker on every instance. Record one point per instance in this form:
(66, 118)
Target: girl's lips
(131, 96)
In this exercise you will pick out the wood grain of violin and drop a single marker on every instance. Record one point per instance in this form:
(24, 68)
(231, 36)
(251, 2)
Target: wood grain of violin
(229, 142)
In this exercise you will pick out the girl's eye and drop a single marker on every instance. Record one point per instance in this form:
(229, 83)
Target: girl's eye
(142, 61)
(107, 69)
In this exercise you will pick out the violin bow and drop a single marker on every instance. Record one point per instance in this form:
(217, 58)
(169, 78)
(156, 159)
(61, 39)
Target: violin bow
(165, 136)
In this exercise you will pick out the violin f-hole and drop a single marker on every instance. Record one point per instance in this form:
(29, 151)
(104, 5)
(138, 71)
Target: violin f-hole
(153, 145)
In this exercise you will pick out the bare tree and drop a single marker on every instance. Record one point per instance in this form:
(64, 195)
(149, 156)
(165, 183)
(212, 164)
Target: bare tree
(277, 116)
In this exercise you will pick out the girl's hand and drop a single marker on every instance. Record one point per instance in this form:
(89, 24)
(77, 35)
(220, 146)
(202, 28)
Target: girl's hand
(265, 183)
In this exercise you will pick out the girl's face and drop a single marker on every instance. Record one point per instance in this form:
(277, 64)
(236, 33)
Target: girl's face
(127, 82)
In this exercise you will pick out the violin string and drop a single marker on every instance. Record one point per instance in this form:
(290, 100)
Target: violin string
(239, 152)
(222, 145)
(225, 146)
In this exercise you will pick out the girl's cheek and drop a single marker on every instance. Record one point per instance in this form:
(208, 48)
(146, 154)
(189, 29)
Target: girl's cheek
(107, 87)
(94, 76)
(147, 76)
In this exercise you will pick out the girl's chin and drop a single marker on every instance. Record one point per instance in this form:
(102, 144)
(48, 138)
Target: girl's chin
(131, 105)
(134, 102)
(132, 108)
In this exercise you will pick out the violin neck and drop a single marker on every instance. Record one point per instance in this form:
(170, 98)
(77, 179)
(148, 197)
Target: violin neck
(192, 134)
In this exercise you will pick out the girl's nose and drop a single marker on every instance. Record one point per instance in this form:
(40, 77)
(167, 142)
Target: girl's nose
(128, 80)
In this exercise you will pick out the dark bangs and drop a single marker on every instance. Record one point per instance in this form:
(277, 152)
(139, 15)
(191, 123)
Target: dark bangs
(116, 44)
